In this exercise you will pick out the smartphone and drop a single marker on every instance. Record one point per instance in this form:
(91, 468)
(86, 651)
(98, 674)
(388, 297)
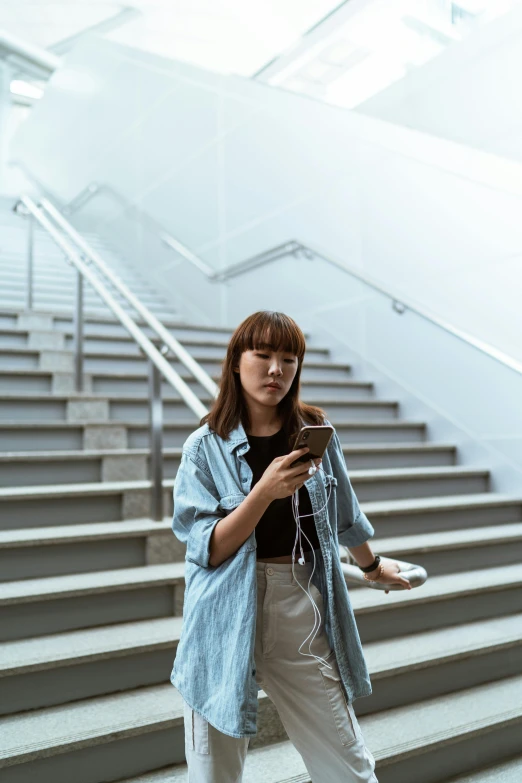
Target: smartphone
(316, 438)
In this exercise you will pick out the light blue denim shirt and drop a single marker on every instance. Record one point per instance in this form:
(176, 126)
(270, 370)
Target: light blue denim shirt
(214, 669)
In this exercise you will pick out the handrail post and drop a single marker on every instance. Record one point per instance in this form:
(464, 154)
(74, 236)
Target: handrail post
(78, 333)
(30, 260)
(156, 447)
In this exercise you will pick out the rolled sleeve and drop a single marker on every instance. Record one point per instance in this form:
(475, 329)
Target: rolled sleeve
(353, 526)
(196, 509)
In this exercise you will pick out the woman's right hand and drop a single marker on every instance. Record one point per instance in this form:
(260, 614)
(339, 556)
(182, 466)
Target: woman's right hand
(280, 480)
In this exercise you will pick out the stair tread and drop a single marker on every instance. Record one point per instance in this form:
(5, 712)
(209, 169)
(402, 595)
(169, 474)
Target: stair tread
(388, 547)
(28, 735)
(449, 539)
(394, 655)
(110, 319)
(47, 651)
(142, 397)
(347, 424)
(110, 487)
(462, 712)
(389, 656)
(82, 532)
(84, 454)
(443, 586)
(102, 318)
(97, 353)
(406, 505)
(279, 762)
(91, 721)
(126, 338)
(363, 601)
(505, 772)
(82, 488)
(92, 582)
(124, 375)
(413, 505)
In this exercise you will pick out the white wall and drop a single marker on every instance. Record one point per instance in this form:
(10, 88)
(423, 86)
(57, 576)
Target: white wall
(471, 93)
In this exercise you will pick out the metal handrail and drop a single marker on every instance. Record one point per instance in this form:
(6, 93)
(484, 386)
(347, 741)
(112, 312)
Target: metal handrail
(158, 365)
(95, 188)
(170, 341)
(34, 56)
(293, 247)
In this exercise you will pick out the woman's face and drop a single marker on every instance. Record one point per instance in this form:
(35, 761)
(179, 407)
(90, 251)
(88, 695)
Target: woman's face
(260, 368)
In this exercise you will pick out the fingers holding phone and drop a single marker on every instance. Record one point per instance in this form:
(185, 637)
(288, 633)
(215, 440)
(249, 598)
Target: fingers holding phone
(282, 478)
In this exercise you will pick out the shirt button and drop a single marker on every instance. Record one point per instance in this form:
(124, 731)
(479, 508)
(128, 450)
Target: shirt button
(270, 571)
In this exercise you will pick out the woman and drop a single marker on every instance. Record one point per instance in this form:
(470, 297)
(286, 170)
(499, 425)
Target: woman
(248, 610)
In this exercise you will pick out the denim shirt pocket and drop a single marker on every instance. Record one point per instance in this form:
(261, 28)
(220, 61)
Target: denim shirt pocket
(229, 503)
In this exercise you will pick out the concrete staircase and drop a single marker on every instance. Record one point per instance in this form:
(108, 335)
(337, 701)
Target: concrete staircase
(91, 597)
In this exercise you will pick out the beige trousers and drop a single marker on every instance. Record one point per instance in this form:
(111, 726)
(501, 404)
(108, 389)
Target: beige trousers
(307, 694)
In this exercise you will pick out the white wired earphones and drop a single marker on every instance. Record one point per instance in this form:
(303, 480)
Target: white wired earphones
(295, 508)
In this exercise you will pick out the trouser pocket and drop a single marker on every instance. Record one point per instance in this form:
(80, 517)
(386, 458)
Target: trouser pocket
(196, 730)
(343, 713)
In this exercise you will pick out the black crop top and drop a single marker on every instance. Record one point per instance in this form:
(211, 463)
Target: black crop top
(276, 530)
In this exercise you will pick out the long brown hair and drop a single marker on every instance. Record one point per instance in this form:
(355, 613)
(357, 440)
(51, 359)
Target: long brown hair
(265, 329)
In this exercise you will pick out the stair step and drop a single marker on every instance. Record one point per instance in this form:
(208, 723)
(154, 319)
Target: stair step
(406, 517)
(47, 536)
(457, 730)
(122, 339)
(400, 453)
(42, 436)
(439, 553)
(65, 729)
(94, 644)
(393, 656)
(32, 590)
(35, 607)
(452, 599)
(77, 547)
(108, 381)
(449, 599)
(429, 663)
(97, 353)
(444, 552)
(93, 310)
(449, 539)
(76, 490)
(375, 407)
(369, 485)
(64, 320)
(137, 654)
(84, 548)
(505, 772)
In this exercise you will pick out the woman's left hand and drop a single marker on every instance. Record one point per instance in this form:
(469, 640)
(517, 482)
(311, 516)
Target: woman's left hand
(390, 574)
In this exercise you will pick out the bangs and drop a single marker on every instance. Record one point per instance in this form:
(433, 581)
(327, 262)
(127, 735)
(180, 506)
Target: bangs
(275, 332)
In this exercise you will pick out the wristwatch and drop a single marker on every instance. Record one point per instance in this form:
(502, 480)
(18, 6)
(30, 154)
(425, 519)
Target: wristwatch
(373, 566)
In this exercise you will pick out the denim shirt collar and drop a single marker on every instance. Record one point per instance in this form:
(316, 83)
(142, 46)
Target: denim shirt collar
(238, 436)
